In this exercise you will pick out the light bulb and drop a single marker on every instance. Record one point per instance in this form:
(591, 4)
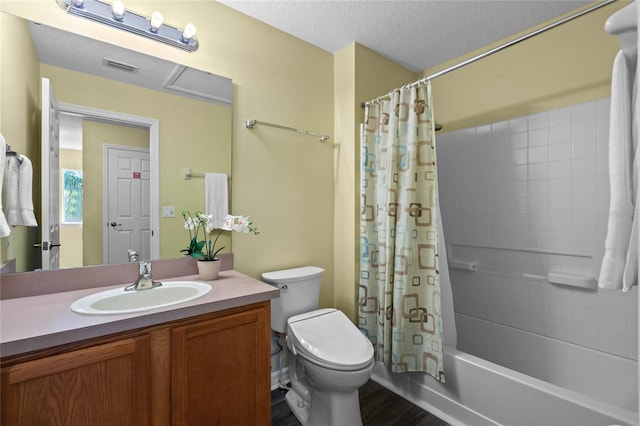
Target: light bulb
(78, 3)
(188, 33)
(155, 22)
(117, 9)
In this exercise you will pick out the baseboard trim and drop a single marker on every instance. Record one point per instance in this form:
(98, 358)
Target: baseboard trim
(279, 376)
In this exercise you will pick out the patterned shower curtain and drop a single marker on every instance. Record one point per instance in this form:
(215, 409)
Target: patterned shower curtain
(399, 286)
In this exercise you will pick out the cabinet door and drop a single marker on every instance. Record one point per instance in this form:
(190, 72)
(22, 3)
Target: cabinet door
(220, 371)
(101, 385)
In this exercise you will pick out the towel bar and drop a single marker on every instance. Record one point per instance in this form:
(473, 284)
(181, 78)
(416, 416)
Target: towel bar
(187, 174)
(573, 279)
(467, 265)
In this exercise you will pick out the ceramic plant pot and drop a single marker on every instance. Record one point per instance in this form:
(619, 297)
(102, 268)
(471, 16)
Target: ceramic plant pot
(208, 269)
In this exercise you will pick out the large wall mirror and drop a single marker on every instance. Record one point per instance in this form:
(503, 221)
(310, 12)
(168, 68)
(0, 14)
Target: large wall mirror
(129, 124)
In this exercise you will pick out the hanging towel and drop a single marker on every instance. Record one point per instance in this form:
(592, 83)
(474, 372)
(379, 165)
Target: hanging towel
(631, 274)
(20, 188)
(216, 197)
(618, 257)
(26, 192)
(14, 217)
(4, 226)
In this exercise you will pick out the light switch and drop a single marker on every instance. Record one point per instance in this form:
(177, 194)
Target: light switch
(168, 211)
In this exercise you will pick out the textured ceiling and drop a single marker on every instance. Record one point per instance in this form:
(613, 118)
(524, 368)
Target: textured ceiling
(416, 34)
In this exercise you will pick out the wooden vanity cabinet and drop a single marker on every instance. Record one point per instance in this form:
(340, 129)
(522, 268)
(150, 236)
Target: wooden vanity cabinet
(215, 377)
(213, 369)
(106, 384)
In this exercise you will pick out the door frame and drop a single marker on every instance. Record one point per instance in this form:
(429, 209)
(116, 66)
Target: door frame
(153, 124)
(105, 191)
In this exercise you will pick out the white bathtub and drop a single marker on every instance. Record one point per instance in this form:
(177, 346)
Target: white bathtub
(478, 392)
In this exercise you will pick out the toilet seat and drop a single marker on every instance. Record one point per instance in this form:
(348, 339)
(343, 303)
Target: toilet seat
(328, 338)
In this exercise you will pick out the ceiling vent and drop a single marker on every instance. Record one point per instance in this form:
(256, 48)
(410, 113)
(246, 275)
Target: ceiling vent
(200, 84)
(112, 63)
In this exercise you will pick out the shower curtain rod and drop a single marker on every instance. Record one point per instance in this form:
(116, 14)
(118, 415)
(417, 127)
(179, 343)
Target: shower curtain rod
(483, 55)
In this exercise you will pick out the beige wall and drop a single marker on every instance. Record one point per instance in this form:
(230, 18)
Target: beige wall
(94, 135)
(302, 194)
(360, 74)
(71, 234)
(566, 65)
(20, 126)
(282, 180)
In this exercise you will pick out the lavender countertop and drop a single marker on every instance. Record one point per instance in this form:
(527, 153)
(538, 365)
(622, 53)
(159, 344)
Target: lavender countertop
(43, 321)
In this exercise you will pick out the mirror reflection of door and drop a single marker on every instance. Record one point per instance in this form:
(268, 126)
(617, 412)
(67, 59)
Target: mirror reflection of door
(50, 226)
(82, 150)
(126, 203)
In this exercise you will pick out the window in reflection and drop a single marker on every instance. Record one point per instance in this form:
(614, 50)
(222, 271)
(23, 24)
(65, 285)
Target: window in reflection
(72, 197)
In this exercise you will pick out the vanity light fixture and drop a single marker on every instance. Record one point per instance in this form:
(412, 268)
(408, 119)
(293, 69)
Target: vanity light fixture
(156, 21)
(117, 10)
(116, 15)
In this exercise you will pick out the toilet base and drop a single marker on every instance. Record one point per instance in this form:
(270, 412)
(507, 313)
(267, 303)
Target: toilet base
(298, 407)
(344, 405)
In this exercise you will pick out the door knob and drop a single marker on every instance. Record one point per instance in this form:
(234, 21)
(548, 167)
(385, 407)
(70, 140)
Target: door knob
(46, 245)
(115, 224)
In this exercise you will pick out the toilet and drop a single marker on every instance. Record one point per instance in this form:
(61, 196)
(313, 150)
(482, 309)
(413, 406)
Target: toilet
(329, 358)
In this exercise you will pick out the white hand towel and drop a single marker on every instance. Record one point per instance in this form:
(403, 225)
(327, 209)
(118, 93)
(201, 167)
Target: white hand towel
(4, 226)
(621, 155)
(633, 256)
(19, 188)
(216, 197)
(14, 216)
(25, 189)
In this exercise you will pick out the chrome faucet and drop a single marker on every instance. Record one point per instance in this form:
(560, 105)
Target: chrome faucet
(145, 281)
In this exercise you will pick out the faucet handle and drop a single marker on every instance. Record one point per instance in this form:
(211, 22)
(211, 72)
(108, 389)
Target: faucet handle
(134, 256)
(145, 269)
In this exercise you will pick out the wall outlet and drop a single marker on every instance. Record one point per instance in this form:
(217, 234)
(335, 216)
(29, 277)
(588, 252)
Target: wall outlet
(168, 211)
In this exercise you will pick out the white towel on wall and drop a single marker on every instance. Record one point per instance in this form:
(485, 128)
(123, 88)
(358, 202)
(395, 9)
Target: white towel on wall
(14, 217)
(216, 197)
(4, 226)
(620, 260)
(26, 192)
(20, 189)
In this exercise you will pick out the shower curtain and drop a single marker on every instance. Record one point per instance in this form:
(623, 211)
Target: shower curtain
(399, 284)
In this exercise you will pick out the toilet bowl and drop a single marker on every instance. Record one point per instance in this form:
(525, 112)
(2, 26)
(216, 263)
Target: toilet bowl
(329, 358)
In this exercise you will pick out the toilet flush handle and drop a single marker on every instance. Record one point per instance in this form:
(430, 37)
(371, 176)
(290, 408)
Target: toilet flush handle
(284, 287)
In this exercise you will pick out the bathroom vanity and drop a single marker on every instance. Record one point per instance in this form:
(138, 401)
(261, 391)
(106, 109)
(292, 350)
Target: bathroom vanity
(201, 362)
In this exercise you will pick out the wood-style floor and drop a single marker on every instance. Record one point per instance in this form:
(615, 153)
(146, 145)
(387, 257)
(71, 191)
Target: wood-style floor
(379, 407)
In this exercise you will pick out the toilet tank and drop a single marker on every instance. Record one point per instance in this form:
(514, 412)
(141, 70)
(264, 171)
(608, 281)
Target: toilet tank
(299, 293)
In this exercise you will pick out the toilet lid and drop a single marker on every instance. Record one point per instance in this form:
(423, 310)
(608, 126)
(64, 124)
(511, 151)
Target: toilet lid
(295, 274)
(329, 337)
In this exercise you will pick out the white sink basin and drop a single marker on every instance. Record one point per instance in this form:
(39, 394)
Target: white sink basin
(118, 301)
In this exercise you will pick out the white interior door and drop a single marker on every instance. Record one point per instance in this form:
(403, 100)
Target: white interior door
(128, 196)
(50, 222)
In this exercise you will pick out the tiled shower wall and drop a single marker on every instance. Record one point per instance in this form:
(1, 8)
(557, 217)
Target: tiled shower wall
(526, 196)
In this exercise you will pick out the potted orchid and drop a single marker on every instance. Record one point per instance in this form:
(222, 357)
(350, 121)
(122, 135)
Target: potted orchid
(204, 250)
